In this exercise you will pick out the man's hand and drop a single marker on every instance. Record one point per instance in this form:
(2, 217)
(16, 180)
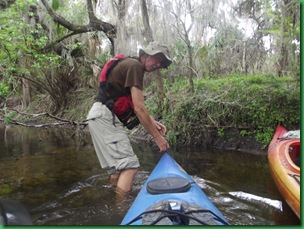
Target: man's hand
(161, 128)
(162, 144)
(156, 129)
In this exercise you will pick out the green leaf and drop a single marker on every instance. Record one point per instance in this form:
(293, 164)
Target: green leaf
(55, 5)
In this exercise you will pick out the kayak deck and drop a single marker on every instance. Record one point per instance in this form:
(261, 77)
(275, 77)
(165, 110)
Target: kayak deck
(171, 197)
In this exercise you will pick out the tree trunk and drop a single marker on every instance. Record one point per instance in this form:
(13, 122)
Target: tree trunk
(26, 92)
(191, 68)
(244, 58)
(282, 63)
(120, 44)
(149, 38)
(26, 89)
(184, 35)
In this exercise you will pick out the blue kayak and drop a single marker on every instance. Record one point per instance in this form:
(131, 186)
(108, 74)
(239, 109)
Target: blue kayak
(171, 197)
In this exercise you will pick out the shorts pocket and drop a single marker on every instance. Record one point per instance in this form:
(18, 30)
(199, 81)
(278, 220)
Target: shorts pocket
(119, 145)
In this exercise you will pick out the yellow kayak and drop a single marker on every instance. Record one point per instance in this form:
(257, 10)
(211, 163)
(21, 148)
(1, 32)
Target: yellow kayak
(284, 163)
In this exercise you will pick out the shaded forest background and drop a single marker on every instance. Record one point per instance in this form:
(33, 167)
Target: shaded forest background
(236, 63)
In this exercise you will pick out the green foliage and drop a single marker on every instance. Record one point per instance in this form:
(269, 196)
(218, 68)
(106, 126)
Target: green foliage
(220, 132)
(73, 11)
(257, 103)
(103, 58)
(20, 43)
(244, 133)
(264, 136)
(218, 56)
(55, 4)
(5, 188)
(8, 117)
(4, 90)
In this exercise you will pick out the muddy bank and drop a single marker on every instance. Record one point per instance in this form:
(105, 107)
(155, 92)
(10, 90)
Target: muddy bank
(232, 140)
(247, 145)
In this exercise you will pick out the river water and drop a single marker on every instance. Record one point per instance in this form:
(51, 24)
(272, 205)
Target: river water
(56, 175)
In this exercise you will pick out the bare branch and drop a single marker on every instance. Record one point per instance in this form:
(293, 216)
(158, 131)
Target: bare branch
(94, 23)
(193, 70)
(62, 121)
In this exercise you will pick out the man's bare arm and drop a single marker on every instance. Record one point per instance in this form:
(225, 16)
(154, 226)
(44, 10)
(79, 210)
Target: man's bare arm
(146, 120)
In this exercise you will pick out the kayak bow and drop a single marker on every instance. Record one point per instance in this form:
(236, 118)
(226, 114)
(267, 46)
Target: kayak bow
(171, 197)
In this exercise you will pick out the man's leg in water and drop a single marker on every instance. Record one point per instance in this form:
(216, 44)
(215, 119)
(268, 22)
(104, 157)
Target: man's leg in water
(125, 184)
(113, 179)
(126, 179)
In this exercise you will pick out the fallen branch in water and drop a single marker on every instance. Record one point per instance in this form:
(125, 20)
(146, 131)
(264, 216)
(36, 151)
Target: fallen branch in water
(62, 121)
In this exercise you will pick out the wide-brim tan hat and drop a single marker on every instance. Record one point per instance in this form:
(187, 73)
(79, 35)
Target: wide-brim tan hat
(154, 48)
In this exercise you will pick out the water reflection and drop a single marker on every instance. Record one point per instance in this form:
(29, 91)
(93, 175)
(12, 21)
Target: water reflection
(60, 180)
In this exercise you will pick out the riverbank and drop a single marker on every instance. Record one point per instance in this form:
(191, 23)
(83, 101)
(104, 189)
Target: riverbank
(237, 113)
(231, 141)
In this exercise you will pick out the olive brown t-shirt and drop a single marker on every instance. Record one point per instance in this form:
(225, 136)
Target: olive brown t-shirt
(127, 73)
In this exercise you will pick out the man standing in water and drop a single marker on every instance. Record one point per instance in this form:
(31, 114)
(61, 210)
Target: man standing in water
(120, 95)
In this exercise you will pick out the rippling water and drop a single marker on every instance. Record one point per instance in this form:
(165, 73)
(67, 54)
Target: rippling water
(60, 181)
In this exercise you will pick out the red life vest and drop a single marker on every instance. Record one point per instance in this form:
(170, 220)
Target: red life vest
(109, 66)
(123, 106)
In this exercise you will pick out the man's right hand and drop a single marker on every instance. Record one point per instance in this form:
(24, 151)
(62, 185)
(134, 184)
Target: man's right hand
(162, 143)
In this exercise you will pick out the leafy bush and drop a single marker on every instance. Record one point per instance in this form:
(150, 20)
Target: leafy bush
(257, 103)
(4, 90)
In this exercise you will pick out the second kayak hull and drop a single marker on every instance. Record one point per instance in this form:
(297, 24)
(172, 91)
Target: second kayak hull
(283, 158)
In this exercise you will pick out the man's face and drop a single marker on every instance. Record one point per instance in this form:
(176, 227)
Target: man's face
(155, 62)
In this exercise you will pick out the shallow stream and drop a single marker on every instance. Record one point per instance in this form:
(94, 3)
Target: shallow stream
(59, 179)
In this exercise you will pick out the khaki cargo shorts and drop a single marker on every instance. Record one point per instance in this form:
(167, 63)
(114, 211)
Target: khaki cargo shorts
(111, 143)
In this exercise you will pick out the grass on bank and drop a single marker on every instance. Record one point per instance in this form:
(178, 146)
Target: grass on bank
(254, 105)
(250, 105)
